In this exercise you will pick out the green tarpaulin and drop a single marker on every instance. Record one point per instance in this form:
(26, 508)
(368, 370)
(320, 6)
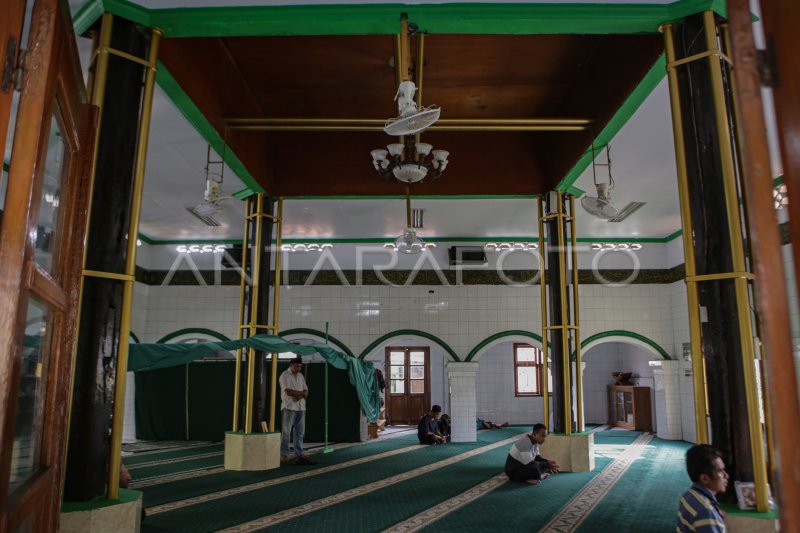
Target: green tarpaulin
(361, 374)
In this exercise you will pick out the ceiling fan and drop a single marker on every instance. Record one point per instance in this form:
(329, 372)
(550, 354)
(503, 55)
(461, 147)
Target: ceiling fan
(213, 199)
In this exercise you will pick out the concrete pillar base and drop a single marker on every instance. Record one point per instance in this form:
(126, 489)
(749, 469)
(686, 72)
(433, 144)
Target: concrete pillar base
(97, 516)
(252, 451)
(740, 523)
(573, 453)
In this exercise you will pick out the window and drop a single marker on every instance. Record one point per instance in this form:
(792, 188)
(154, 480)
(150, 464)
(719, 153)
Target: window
(527, 370)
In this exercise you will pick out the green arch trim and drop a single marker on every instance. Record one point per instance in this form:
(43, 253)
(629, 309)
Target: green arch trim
(134, 337)
(210, 332)
(402, 332)
(509, 333)
(624, 333)
(321, 335)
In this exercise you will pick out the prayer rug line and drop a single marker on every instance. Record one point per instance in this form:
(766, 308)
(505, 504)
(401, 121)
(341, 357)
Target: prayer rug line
(175, 460)
(334, 499)
(575, 512)
(277, 481)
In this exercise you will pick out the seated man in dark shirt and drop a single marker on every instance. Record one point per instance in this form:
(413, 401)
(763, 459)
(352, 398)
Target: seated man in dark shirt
(428, 427)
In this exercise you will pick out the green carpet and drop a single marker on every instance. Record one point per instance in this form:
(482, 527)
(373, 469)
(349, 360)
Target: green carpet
(233, 510)
(145, 472)
(646, 498)
(150, 457)
(189, 488)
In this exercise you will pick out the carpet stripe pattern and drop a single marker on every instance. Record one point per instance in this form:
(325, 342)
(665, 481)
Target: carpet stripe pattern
(578, 508)
(271, 482)
(393, 484)
(288, 514)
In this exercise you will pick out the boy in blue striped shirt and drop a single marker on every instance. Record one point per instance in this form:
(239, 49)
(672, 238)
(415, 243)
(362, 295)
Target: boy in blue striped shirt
(699, 509)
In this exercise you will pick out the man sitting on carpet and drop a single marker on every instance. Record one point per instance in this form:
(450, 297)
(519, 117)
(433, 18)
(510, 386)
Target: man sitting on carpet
(524, 462)
(699, 509)
(293, 409)
(428, 427)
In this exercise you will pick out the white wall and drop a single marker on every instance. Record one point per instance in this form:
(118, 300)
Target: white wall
(603, 359)
(495, 390)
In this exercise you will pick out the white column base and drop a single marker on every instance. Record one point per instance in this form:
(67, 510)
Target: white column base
(573, 453)
(463, 402)
(252, 451)
(97, 516)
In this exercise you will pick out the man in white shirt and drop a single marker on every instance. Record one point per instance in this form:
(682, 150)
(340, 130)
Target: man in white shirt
(293, 410)
(524, 462)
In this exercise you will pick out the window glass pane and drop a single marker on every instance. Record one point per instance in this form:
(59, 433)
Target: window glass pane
(417, 358)
(417, 386)
(398, 386)
(526, 353)
(47, 228)
(397, 358)
(30, 400)
(398, 372)
(526, 379)
(417, 372)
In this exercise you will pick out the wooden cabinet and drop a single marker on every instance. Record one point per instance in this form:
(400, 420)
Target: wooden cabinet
(629, 407)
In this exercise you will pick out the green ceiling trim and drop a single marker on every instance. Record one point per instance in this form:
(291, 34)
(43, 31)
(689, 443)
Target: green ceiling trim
(383, 19)
(623, 333)
(189, 241)
(777, 181)
(321, 334)
(575, 191)
(405, 332)
(418, 197)
(244, 193)
(653, 77)
(509, 333)
(201, 124)
(673, 236)
(146, 239)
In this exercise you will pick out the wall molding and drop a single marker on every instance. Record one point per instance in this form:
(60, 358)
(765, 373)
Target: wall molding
(185, 331)
(320, 334)
(621, 335)
(410, 333)
(501, 335)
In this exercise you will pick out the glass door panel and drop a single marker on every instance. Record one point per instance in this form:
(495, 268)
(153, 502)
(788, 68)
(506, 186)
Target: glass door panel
(48, 227)
(417, 372)
(30, 399)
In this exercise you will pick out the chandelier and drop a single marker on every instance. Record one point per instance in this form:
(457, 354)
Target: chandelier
(409, 162)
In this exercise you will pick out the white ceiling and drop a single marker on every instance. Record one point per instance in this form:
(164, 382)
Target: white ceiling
(643, 170)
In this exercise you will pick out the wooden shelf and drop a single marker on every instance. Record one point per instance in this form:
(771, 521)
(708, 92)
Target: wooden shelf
(629, 407)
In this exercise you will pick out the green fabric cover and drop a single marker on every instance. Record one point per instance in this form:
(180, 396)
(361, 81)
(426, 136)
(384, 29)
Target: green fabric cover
(360, 373)
(344, 424)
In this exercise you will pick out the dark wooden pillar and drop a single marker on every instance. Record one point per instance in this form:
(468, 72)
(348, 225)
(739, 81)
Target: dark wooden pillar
(558, 310)
(98, 335)
(264, 314)
(727, 400)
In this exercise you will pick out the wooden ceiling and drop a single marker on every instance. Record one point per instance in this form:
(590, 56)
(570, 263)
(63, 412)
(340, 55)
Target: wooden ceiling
(353, 77)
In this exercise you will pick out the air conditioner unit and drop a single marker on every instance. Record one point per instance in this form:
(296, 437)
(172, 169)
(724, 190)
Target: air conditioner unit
(466, 255)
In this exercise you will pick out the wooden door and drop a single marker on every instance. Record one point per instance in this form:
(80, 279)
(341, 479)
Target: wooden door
(41, 256)
(409, 384)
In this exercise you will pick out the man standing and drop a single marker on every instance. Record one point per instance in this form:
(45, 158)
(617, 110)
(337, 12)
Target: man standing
(699, 509)
(524, 462)
(293, 410)
(428, 427)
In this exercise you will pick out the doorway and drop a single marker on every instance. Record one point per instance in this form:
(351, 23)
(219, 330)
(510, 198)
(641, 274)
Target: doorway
(409, 384)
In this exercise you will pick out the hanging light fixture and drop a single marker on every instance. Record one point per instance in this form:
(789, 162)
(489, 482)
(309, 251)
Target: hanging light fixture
(409, 242)
(410, 160)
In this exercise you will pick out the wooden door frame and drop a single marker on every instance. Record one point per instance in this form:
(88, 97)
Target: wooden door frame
(52, 73)
(387, 372)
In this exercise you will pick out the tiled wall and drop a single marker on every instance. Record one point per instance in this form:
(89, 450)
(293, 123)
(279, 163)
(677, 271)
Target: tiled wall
(461, 317)
(495, 390)
(601, 361)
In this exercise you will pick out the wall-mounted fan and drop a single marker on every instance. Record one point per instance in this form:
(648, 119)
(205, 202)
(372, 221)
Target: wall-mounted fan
(411, 119)
(600, 205)
(212, 203)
